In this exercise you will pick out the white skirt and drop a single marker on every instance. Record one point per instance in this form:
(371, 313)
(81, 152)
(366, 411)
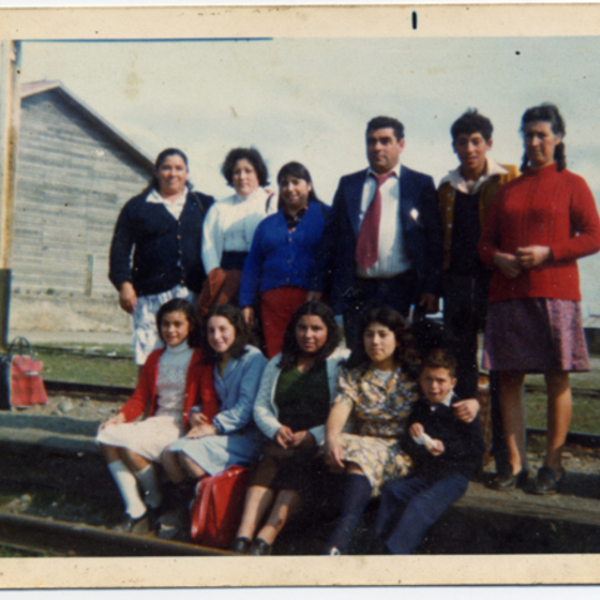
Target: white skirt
(148, 438)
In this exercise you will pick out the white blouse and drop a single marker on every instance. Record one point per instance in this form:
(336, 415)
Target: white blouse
(230, 224)
(172, 376)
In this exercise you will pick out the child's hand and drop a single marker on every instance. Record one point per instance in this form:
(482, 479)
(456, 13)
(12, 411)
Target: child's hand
(436, 447)
(116, 420)
(416, 430)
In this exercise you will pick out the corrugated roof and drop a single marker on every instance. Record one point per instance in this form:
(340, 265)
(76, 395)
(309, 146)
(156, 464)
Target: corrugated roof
(37, 87)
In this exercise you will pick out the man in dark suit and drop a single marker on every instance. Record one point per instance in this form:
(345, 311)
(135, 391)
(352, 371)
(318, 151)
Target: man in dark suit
(382, 244)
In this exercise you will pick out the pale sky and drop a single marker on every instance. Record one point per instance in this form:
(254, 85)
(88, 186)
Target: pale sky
(309, 99)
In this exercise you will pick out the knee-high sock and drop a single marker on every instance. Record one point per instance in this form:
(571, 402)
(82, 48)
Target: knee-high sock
(356, 496)
(127, 484)
(149, 484)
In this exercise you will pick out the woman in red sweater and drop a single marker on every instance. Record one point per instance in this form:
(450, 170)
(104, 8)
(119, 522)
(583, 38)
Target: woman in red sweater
(538, 226)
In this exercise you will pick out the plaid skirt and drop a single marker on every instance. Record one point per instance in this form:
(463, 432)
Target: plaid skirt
(535, 335)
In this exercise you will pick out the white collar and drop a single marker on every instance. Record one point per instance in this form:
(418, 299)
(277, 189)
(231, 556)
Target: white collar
(447, 401)
(395, 170)
(154, 197)
(457, 181)
(257, 194)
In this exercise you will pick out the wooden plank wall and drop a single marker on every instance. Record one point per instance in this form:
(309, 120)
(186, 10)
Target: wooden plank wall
(71, 183)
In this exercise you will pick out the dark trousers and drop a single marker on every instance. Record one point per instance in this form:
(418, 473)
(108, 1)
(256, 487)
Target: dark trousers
(397, 292)
(465, 308)
(411, 505)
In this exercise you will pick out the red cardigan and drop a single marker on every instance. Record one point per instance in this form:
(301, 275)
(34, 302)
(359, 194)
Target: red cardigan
(199, 389)
(548, 208)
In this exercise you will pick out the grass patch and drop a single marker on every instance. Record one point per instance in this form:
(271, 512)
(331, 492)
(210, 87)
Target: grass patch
(586, 412)
(67, 365)
(88, 363)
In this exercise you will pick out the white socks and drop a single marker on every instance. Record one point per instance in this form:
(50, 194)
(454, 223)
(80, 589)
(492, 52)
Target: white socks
(127, 484)
(149, 484)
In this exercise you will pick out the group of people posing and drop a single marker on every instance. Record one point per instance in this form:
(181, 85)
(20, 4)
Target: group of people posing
(383, 416)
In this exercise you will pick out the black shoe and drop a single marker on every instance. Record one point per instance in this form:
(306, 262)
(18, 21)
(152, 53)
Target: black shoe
(260, 548)
(170, 524)
(548, 481)
(505, 482)
(241, 545)
(139, 526)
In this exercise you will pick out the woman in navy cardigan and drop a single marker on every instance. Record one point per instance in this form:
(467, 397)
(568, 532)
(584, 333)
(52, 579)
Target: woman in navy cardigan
(282, 256)
(163, 228)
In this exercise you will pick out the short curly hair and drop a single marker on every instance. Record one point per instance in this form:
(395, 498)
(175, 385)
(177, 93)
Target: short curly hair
(472, 122)
(252, 155)
(440, 358)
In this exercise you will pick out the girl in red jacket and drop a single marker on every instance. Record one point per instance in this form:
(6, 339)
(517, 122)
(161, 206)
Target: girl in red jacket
(173, 382)
(537, 228)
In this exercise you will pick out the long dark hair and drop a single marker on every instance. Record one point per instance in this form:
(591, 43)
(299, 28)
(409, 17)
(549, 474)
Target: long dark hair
(291, 351)
(160, 159)
(252, 155)
(178, 304)
(242, 334)
(550, 114)
(299, 171)
(405, 353)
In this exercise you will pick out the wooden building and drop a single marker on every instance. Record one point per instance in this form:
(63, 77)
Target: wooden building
(74, 173)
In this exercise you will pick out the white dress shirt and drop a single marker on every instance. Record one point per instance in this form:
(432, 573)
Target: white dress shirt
(392, 257)
(230, 225)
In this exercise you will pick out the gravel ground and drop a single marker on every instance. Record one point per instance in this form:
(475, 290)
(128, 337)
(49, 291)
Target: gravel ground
(86, 407)
(96, 408)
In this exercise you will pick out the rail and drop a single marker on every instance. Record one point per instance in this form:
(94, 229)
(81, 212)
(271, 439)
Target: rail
(47, 537)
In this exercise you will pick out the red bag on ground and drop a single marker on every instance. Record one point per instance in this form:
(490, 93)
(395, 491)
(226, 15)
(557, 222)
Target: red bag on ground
(21, 377)
(217, 508)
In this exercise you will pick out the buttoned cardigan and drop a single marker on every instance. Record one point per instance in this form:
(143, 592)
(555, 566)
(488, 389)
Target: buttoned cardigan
(166, 251)
(279, 258)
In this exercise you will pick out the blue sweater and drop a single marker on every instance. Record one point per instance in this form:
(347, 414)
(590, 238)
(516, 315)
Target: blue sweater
(279, 258)
(237, 390)
(166, 251)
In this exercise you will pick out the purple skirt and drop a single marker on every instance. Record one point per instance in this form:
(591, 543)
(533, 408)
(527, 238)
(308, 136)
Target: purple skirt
(535, 335)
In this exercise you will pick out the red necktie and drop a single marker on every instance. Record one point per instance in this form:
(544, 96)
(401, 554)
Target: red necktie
(367, 245)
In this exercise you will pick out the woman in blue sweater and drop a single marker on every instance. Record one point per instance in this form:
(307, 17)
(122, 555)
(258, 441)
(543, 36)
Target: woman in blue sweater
(282, 257)
(162, 227)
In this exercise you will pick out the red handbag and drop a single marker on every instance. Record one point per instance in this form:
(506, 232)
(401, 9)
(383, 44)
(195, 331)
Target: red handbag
(217, 507)
(21, 377)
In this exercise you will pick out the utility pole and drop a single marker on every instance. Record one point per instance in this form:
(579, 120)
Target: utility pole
(10, 104)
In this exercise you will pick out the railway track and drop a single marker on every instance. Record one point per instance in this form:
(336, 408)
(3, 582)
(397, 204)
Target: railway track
(47, 537)
(110, 392)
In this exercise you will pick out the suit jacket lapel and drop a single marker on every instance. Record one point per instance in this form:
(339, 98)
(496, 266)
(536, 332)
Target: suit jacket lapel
(353, 194)
(406, 195)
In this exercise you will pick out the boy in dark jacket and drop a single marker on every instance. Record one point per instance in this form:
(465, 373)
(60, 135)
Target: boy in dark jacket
(446, 453)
